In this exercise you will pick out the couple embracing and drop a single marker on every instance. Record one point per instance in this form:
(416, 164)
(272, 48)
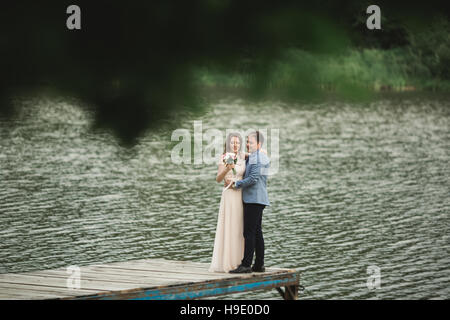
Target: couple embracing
(244, 197)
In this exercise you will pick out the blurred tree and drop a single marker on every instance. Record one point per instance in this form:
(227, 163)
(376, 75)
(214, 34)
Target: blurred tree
(133, 61)
(430, 50)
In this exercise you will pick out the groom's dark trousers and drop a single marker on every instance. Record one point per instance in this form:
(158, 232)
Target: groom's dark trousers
(254, 241)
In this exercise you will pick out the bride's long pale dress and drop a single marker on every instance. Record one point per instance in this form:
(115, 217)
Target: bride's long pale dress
(229, 241)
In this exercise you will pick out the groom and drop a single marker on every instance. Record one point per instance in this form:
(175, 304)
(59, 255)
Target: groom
(255, 198)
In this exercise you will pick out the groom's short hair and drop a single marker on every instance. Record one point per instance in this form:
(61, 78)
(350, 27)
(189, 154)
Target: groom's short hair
(258, 135)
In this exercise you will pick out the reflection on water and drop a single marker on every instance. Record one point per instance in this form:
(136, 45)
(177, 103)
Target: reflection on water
(357, 186)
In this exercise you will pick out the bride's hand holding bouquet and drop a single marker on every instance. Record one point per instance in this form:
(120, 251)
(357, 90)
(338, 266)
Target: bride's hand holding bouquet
(229, 160)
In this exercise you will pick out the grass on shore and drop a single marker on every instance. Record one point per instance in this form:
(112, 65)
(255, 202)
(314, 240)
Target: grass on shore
(353, 74)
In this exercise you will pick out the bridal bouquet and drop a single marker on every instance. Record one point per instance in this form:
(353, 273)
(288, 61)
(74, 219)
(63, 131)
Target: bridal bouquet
(230, 158)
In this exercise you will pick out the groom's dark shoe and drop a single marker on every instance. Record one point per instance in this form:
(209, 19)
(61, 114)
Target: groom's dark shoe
(258, 269)
(241, 269)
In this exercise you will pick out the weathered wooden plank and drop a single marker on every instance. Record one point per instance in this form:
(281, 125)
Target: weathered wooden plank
(161, 263)
(175, 273)
(162, 266)
(130, 277)
(146, 278)
(146, 264)
(141, 279)
(94, 278)
(202, 265)
(119, 268)
(113, 278)
(175, 269)
(165, 261)
(195, 266)
(37, 290)
(140, 273)
(162, 274)
(165, 269)
(20, 294)
(200, 290)
(86, 284)
(135, 275)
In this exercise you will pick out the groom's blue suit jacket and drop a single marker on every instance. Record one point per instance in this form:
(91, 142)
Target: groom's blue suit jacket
(254, 183)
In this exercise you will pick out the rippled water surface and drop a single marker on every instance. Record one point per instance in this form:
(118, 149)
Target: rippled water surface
(357, 186)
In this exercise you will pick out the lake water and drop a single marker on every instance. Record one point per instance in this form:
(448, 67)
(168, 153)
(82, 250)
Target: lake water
(358, 186)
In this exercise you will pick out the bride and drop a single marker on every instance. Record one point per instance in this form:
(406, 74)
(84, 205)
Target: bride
(229, 241)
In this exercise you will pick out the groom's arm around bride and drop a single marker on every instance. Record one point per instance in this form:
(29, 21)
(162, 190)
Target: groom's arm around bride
(254, 183)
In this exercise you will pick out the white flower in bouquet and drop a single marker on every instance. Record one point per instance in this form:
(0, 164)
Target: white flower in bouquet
(230, 158)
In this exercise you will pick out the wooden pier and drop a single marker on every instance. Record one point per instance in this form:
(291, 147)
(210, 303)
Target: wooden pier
(144, 279)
